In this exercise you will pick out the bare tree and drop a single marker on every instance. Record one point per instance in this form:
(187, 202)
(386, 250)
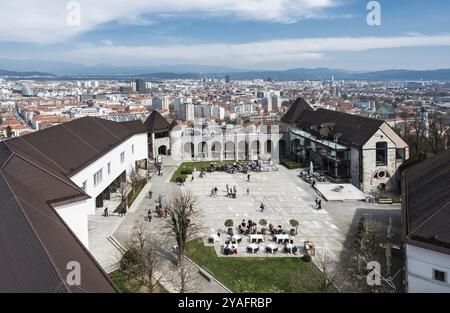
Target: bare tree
(366, 241)
(183, 220)
(328, 272)
(437, 135)
(133, 178)
(186, 272)
(142, 259)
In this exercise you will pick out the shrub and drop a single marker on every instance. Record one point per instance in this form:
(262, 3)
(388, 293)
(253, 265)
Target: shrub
(130, 258)
(306, 258)
(262, 222)
(229, 223)
(186, 171)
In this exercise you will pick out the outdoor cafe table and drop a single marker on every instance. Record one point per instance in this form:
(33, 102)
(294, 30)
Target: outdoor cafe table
(214, 238)
(252, 247)
(236, 238)
(256, 238)
(289, 247)
(282, 238)
(272, 248)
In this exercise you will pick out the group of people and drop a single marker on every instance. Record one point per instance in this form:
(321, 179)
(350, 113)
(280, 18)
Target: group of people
(318, 204)
(229, 248)
(249, 227)
(231, 192)
(274, 230)
(214, 191)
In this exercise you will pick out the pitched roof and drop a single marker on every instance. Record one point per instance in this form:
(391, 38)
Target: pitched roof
(73, 145)
(294, 112)
(427, 202)
(156, 123)
(354, 130)
(35, 243)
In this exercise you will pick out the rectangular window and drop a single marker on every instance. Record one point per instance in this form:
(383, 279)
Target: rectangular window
(84, 186)
(381, 153)
(400, 154)
(109, 168)
(122, 157)
(440, 276)
(98, 177)
(132, 149)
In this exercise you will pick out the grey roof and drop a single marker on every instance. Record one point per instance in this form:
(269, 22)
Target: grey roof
(426, 208)
(353, 130)
(35, 243)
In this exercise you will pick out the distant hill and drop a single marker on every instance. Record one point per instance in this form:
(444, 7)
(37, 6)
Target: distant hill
(25, 74)
(67, 70)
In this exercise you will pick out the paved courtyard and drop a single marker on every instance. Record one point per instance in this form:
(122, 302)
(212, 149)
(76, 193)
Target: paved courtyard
(285, 197)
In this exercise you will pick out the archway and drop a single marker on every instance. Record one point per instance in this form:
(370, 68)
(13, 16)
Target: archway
(268, 149)
(162, 150)
(282, 148)
(230, 150)
(189, 149)
(203, 149)
(216, 149)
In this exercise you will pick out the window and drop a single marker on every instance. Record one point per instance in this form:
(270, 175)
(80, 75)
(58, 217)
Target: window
(440, 276)
(84, 186)
(132, 149)
(400, 154)
(122, 157)
(98, 177)
(381, 153)
(109, 168)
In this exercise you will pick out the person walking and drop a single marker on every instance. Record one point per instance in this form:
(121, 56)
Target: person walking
(234, 189)
(105, 212)
(160, 199)
(319, 205)
(150, 194)
(227, 188)
(149, 215)
(215, 191)
(317, 202)
(248, 177)
(262, 207)
(212, 192)
(248, 191)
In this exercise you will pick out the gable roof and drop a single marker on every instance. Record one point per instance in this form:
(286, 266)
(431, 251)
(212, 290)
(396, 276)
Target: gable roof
(73, 145)
(353, 130)
(427, 202)
(294, 112)
(156, 123)
(35, 243)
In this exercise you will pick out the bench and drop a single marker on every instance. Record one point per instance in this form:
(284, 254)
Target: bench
(385, 201)
(205, 274)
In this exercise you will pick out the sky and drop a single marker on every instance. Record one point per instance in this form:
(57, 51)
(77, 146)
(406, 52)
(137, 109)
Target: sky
(240, 34)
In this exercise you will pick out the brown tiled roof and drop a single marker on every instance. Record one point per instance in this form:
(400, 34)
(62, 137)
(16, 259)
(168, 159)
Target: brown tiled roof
(426, 208)
(35, 243)
(72, 146)
(156, 123)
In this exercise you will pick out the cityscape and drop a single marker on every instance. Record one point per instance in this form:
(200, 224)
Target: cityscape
(185, 165)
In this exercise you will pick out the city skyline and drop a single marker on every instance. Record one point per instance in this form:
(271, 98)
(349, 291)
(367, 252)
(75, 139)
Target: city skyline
(257, 35)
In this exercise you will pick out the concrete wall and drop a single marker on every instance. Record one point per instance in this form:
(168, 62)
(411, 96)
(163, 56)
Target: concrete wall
(75, 215)
(87, 174)
(419, 266)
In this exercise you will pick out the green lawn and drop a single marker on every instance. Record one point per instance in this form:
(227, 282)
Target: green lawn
(255, 274)
(197, 165)
(122, 283)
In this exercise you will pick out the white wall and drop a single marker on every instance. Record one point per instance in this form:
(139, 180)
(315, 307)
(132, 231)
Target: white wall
(420, 264)
(75, 216)
(113, 156)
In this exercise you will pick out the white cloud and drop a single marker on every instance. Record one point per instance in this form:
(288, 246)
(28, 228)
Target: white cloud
(44, 21)
(262, 54)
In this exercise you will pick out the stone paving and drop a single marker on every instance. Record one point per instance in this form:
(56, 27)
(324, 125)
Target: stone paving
(284, 196)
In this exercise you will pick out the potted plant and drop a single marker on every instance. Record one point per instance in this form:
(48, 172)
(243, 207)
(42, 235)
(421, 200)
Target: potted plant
(263, 223)
(294, 223)
(229, 223)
